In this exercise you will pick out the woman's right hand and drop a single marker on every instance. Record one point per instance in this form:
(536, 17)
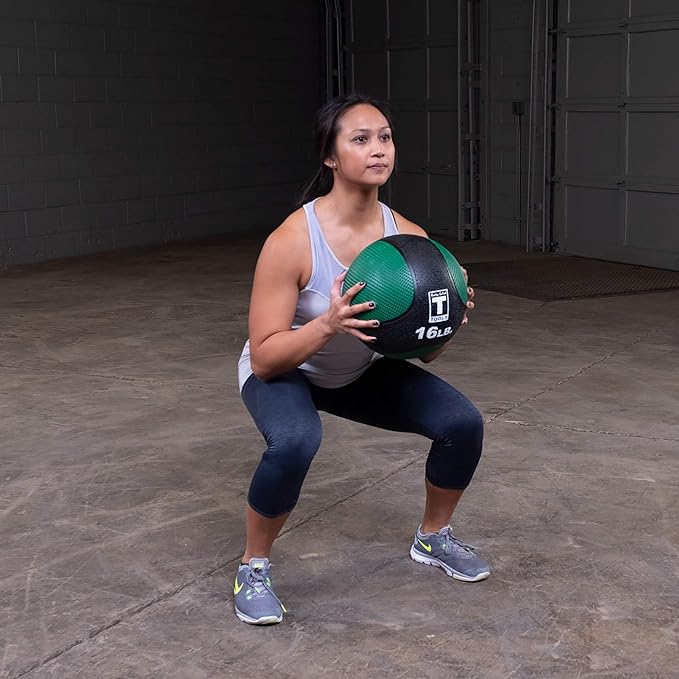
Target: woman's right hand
(340, 317)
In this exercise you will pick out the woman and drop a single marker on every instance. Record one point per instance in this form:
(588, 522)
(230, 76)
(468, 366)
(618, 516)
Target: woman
(307, 352)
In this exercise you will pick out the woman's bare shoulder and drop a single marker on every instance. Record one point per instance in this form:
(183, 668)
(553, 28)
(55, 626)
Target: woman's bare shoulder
(292, 231)
(287, 249)
(406, 226)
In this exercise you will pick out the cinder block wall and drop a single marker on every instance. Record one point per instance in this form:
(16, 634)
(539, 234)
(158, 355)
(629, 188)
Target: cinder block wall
(133, 122)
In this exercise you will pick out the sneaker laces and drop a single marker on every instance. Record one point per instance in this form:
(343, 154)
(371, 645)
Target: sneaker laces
(449, 540)
(259, 581)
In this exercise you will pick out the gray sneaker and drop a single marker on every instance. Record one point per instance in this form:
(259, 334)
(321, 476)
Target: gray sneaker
(444, 550)
(253, 596)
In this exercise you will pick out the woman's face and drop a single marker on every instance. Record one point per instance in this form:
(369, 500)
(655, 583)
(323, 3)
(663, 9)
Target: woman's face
(364, 150)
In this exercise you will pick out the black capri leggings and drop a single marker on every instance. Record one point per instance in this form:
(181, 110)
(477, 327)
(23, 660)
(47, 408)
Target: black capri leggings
(392, 394)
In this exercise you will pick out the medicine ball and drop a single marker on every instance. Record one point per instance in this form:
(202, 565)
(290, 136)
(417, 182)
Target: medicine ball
(419, 291)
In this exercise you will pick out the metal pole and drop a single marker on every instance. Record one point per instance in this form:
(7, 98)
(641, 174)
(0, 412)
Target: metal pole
(339, 47)
(531, 106)
(328, 52)
(460, 155)
(547, 136)
(517, 180)
(473, 219)
(485, 210)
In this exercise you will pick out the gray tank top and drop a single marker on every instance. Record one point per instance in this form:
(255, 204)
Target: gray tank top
(344, 358)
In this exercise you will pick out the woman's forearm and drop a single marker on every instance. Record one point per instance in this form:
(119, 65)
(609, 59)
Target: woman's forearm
(286, 350)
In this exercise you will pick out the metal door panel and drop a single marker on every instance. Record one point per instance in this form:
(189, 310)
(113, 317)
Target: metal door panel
(368, 23)
(442, 20)
(653, 149)
(408, 76)
(442, 82)
(647, 8)
(594, 67)
(591, 212)
(407, 21)
(651, 53)
(596, 10)
(652, 217)
(593, 144)
(370, 71)
(411, 139)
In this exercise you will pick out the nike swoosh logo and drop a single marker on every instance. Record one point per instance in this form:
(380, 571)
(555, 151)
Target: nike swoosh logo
(427, 547)
(236, 587)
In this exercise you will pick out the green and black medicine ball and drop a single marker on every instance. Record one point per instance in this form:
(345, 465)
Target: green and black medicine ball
(419, 291)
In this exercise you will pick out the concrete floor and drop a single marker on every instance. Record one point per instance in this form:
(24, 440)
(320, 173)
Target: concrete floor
(126, 454)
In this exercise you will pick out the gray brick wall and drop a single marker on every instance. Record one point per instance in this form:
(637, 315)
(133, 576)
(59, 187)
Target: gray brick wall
(132, 122)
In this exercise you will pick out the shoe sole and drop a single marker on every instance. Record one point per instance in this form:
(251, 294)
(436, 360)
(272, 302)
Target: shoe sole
(431, 561)
(264, 620)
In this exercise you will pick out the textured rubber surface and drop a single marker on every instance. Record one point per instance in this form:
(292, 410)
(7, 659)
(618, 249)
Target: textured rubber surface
(388, 280)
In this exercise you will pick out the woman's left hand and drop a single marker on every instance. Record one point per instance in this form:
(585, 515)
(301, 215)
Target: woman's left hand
(470, 294)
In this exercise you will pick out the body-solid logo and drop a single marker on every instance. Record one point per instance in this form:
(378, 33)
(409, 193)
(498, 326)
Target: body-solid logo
(439, 306)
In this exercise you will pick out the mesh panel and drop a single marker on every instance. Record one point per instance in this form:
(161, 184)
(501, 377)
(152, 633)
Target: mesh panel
(388, 281)
(553, 277)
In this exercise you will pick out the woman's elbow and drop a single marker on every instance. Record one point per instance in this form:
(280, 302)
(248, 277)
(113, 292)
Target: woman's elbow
(261, 369)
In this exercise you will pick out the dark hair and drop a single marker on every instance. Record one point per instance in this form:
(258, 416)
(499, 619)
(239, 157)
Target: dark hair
(325, 132)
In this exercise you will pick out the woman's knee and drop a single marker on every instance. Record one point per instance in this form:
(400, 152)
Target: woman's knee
(277, 482)
(462, 426)
(294, 449)
(456, 452)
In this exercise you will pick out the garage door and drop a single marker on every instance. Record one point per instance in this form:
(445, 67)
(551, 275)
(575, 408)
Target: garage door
(617, 190)
(405, 52)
